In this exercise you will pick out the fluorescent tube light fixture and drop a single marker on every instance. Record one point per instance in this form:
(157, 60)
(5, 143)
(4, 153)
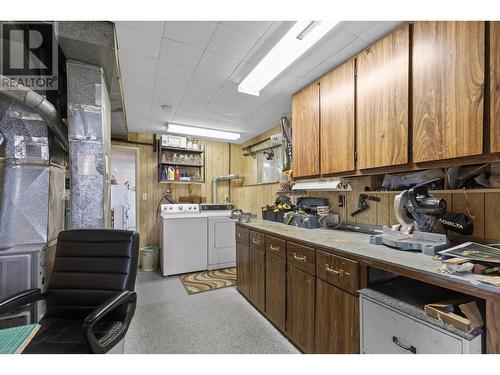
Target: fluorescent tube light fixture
(302, 36)
(201, 132)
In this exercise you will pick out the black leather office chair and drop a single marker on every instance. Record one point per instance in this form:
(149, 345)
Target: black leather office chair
(90, 297)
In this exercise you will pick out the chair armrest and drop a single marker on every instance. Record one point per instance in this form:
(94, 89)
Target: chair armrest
(19, 299)
(106, 343)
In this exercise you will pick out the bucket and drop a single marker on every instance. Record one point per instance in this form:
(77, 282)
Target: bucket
(149, 258)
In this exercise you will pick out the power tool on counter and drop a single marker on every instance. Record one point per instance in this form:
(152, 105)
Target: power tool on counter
(417, 214)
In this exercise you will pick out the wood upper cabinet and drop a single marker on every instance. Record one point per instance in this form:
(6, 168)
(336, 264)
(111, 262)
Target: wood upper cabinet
(382, 101)
(301, 288)
(448, 89)
(337, 119)
(495, 86)
(337, 320)
(305, 128)
(276, 290)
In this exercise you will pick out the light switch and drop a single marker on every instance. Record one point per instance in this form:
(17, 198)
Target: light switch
(144, 196)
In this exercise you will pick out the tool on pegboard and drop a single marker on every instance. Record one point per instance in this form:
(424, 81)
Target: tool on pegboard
(363, 203)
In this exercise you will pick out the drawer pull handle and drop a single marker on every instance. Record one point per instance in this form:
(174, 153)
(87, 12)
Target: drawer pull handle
(411, 349)
(344, 273)
(256, 241)
(302, 258)
(240, 235)
(274, 248)
(331, 270)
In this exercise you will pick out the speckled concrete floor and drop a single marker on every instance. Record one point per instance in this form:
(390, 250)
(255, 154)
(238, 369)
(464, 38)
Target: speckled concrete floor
(168, 320)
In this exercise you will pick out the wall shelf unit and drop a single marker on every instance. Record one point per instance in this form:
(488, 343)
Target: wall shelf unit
(191, 164)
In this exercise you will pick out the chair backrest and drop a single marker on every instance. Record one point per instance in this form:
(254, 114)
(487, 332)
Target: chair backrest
(91, 265)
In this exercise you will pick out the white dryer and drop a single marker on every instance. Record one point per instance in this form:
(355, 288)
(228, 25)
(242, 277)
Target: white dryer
(221, 235)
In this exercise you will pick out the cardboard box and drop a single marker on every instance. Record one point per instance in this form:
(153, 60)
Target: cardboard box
(442, 312)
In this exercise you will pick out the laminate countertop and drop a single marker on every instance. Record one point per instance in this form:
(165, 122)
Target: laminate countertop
(358, 244)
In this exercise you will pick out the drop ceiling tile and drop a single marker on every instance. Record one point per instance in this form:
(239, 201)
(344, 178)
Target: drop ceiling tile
(356, 27)
(187, 111)
(138, 42)
(201, 93)
(167, 98)
(226, 98)
(173, 52)
(157, 113)
(252, 58)
(277, 30)
(218, 108)
(379, 30)
(175, 72)
(194, 103)
(218, 64)
(131, 78)
(230, 42)
(207, 80)
(166, 85)
(303, 65)
(209, 115)
(195, 33)
(331, 43)
(151, 27)
(184, 119)
(137, 91)
(255, 28)
(348, 52)
(136, 63)
(282, 82)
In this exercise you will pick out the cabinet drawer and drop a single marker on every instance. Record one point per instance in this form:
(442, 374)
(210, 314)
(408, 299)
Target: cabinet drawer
(275, 246)
(301, 257)
(242, 235)
(257, 241)
(337, 271)
(386, 331)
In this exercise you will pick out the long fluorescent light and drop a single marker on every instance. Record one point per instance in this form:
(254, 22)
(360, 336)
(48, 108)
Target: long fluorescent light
(302, 36)
(201, 132)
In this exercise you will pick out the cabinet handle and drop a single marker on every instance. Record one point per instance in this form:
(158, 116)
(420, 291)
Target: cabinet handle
(331, 270)
(255, 241)
(411, 349)
(240, 235)
(302, 258)
(274, 248)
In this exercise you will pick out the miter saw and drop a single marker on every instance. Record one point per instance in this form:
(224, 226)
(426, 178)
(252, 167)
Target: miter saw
(417, 214)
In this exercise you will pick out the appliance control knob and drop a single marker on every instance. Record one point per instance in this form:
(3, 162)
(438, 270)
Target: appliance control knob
(170, 207)
(180, 208)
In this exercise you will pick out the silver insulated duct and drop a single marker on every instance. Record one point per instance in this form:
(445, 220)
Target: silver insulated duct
(216, 179)
(32, 168)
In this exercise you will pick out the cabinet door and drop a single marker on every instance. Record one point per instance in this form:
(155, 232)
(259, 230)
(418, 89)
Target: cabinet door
(305, 131)
(257, 278)
(448, 84)
(242, 269)
(337, 119)
(495, 86)
(382, 101)
(300, 309)
(276, 290)
(337, 320)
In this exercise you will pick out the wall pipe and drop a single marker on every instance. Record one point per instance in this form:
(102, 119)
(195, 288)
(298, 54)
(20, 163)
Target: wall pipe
(36, 102)
(216, 179)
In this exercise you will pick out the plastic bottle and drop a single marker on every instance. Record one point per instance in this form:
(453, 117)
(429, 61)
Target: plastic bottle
(177, 173)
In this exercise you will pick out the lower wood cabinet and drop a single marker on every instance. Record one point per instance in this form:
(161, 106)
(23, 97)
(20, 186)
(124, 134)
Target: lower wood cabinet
(276, 290)
(243, 269)
(337, 320)
(301, 290)
(257, 278)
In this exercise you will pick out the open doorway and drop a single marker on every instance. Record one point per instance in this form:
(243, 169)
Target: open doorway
(124, 202)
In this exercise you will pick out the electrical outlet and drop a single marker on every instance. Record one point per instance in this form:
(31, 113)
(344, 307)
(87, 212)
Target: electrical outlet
(341, 200)
(144, 196)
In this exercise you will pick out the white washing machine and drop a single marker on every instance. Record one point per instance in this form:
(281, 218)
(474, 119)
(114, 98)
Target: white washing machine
(183, 239)
(221, 235)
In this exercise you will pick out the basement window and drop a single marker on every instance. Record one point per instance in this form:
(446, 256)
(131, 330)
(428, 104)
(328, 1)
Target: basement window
(269, 165)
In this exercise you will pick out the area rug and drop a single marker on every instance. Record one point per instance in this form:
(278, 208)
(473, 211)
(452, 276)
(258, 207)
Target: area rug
(205, 281)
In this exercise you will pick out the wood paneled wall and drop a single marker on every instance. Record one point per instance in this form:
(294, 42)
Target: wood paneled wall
(216, 163)
(246, 193)
(484, 205)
